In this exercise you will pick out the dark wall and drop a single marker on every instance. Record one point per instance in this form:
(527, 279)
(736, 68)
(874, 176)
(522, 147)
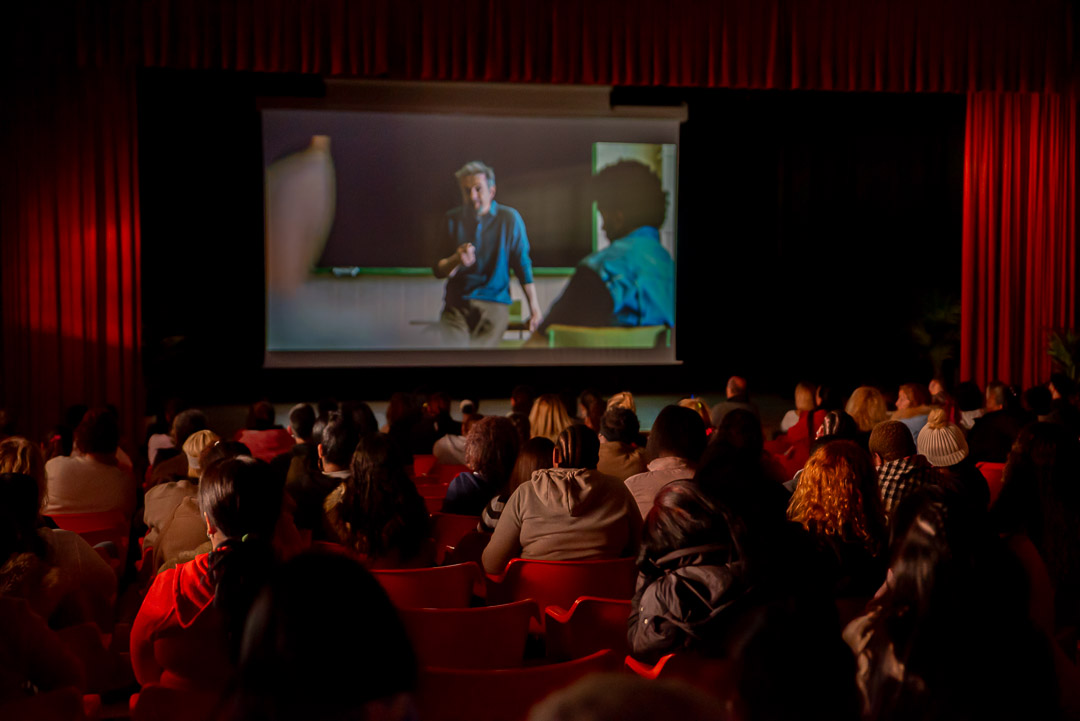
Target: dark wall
(813, 228)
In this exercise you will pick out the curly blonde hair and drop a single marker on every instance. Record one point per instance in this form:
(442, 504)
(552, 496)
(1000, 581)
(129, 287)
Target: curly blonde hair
(837, 496)
(867, 406)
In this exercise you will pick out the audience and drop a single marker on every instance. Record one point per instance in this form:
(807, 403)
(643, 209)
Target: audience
(377, 511)
(201, 605)
(737, 397)
(676, 442)
(548, 417)
(974, 615)
(568, 512)
(490, 451)
(690, 569)
(263, 436)
(900, 470)
(837, 501)
(619, 457)
(90, 480)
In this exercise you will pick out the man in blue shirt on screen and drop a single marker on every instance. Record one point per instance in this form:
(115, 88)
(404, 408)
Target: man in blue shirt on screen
(488, 241)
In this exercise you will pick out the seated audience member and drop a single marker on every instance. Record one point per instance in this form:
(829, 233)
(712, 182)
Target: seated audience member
(590, 408)
(171, 463)
(90, 481)
(434, 423)
(334, 452)
(18, 455)
(676, 442)
(362, 417)
(400, 407)
(291, 665)
(1039, 507)
(377, 511)
(699, 406)
(1062, 409)
(950, 636)
(535, 454)
(690, 569)
(943, 445)
(622, 399)
(303, 456)
(900, 470)
(737, 397)
(182, 536)
(867, 406)
(912, 407)
(188, 630)
(631, 282)
(619, 457)
(942, 398)
(63, 579)
(263, 435)
(450, 449)
(490, 451)
(1037, 402)
(568, 512)
(627, 697)
(993, 434)
(970, 403)
(158, 436)
(162, 500)
(804, 402)
(837, 502)
(521, 400)
(548, 417)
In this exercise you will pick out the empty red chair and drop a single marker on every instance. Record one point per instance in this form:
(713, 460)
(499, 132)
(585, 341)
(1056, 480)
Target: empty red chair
(422, 465)
(160, 703)
(449, 528)
(443, 587)
(446, 473)
(590, 625)
(994, 474)
(489, 637)
(560, 583)
(499, 695)
(98, 527)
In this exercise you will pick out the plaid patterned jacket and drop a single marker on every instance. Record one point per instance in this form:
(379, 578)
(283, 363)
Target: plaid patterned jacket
(898, 478)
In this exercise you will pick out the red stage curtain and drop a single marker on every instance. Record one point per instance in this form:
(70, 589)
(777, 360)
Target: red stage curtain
(1019, 233)
(917, 45)
(70, 251)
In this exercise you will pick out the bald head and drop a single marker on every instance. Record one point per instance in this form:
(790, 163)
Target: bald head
(736, 387)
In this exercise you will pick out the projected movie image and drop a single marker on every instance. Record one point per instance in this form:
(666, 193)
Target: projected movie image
(390, 232)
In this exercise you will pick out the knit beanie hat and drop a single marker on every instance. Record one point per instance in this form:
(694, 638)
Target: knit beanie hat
(941, 442)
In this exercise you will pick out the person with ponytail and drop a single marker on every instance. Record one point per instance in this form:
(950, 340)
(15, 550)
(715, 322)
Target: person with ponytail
(189, 627)
(569, 512)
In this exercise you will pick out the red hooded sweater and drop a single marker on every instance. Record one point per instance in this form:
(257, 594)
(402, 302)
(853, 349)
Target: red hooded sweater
(177, 639)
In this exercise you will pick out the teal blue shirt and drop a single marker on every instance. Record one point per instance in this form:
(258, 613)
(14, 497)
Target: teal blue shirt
(640, 276)
(501, 245)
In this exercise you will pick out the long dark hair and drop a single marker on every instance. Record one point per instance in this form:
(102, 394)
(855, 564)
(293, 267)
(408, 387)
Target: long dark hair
(242, 498)
(683, 517)
(381, 510)
(292, 646)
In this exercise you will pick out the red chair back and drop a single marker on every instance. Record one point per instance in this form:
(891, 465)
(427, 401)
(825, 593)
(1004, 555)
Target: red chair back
(489, 637)
(422, 464)
(714, 676)
(446, 473)
(994, 474)
(499, 695)
(560, 583)
(443, 587)
(159, 703)
(98, 527)
(592, 624)
(449, 528)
